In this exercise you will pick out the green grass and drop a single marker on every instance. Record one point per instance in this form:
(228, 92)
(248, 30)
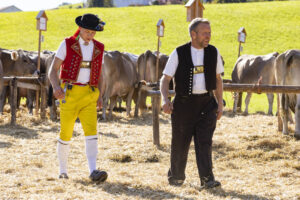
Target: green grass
(270, 26)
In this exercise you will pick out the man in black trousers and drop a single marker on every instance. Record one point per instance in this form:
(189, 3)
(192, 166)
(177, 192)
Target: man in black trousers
(198, 104)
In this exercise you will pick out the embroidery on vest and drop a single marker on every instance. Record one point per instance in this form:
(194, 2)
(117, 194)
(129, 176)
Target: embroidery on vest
(76, 48)
(97, 52)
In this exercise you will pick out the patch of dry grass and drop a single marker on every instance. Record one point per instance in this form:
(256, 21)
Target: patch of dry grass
(251, 159)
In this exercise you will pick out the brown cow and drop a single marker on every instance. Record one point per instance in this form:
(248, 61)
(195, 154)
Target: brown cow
(15, 63)
(119, 80)
(287, 70)
(1, 75)
(26, 65)
(147, 72)
(249, 69)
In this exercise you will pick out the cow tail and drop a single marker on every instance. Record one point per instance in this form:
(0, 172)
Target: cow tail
(50, 96)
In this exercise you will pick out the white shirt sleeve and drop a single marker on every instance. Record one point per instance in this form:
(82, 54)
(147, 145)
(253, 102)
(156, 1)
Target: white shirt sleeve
(62, 51)
(220, 67)
(172, 64)
(103, 58)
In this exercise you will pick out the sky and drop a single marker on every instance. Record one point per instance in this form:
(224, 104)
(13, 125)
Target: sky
(35, 5)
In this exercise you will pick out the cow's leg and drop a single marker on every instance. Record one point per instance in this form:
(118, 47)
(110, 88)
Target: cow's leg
(3, 99)
(29, 100)
(19, 99)
(138, 102)
(239, 103)
(270, 100)
(120, 104)
(112, 103)
(297, 118)
(247, 101)
(104, 106)
(128, 102)
(235, 102)
(284, 113)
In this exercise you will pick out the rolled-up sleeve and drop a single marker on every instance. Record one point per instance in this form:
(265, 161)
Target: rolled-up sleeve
(62, 51)
(172, 64)
(220, 66)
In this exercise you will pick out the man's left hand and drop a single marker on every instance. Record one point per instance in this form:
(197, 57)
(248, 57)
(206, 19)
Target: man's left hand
(99, 102)
(219, 112)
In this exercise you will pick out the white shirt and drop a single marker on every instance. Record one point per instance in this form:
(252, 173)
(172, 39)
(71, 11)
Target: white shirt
(199, 86)
(87, 54)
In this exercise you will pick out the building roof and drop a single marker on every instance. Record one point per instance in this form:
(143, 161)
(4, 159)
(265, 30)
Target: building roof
(16, 9)
(190, 3)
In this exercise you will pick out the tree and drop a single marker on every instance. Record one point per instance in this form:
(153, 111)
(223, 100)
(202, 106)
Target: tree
(99, 3)
(95, 3)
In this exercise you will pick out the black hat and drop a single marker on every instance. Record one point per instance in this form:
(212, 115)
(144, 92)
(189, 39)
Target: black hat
(90, 21)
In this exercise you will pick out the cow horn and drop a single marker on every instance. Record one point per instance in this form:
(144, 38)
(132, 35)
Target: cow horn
(14, 55)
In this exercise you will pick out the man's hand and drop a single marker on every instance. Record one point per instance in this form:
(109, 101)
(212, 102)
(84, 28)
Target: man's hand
(99, 102)
(58, 93)
(167, 106)
(220, 110)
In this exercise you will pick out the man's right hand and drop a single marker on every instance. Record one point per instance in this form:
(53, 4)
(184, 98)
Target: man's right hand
(167, 106)
(58, 93)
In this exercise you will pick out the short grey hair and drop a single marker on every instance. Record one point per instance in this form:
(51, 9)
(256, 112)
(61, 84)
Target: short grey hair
(195, 22)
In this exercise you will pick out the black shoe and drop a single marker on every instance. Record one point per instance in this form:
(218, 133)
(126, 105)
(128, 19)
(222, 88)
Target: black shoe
(63, 176)
(98, 176)
(211, 184)
(175, 182)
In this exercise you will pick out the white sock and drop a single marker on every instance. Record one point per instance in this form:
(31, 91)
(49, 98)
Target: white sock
(63, 149)
(91, 149)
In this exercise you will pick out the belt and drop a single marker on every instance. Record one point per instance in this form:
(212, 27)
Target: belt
(85, 64)
(195, 95)
(201, 95)
(80, 84)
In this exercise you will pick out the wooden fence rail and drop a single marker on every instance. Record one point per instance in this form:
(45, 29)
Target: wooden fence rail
(227, 86)
(15, 82)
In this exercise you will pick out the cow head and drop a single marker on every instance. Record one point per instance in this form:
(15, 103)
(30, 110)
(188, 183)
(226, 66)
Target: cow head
(14, 55)
(275, 54)
(147, 66)
(21, 64)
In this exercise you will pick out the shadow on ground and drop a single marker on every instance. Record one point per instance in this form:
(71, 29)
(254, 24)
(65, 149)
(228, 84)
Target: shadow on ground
(18, 131)
(133, 191)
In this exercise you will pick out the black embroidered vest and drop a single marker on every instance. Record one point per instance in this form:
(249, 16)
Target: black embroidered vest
(185, 71)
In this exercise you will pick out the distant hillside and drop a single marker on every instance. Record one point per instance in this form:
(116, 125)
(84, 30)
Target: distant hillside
(270, 26)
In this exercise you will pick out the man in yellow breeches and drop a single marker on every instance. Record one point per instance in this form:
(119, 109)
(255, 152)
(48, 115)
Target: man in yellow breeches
(79, 60)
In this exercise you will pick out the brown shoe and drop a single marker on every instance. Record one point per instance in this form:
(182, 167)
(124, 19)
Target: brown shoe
(98, 176)
(63, 176)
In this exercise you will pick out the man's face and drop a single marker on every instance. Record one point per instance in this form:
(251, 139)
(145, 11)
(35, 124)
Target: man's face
(87, 34)
(201, 36)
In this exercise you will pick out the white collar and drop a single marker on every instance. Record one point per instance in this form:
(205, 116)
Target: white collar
(81, 41)
(197, 50)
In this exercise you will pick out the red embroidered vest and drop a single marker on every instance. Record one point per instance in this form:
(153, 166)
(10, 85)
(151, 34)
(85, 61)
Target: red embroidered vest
(71, 65)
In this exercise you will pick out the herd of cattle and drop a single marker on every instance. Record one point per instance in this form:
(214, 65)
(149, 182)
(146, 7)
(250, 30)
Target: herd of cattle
(123, 72)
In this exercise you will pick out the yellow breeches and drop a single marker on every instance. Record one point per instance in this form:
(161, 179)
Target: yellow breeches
(81, 102)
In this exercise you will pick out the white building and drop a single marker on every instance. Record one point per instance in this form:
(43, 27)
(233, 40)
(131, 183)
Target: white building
(10, 9)
(124, 3)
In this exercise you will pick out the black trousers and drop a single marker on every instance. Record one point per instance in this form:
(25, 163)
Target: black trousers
(192, 117)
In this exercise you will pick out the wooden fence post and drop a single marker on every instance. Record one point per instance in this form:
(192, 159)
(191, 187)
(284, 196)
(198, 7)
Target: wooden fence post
(13, 100)
(43, 101)
(155, 118)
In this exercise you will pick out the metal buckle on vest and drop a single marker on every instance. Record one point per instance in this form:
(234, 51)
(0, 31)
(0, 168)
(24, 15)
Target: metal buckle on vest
(85, 64)
(199, 69)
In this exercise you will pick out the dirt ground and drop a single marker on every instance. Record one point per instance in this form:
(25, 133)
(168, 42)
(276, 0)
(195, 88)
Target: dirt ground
(251, 160)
